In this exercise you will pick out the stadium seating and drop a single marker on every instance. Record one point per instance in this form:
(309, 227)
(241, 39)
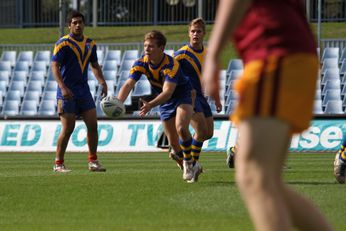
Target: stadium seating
(47, 107)
(30, 74)
(11, 108)
(26, 56)
(126, 65)
(5, 66)
(142, 88)
(334, 107)
(5, 76)
(113, 55)
(330, 52)
(10, 56)
(130, 55)
(43, 56)
(29, 108)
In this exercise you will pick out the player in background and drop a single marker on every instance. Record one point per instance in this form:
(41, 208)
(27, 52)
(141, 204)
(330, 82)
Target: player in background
(276, 93)
(191, 58)
(173, 95)
(71, 57)
(340, 163)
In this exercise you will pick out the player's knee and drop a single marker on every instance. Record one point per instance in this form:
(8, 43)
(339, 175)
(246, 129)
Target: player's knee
(252, 180)
(183, 132)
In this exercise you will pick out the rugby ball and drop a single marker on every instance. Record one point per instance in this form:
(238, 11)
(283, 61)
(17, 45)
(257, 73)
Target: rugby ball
(112, 107)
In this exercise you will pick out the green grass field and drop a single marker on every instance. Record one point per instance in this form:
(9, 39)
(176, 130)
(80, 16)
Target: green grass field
(145, 191)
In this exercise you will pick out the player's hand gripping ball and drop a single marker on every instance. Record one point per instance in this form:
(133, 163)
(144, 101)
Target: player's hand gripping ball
(112, 107)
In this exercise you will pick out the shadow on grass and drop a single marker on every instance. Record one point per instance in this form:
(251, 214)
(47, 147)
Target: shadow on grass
(311, 183)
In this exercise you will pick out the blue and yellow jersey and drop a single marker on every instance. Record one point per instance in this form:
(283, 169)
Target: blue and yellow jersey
(168, 70)
(191, 62)
(74, 57)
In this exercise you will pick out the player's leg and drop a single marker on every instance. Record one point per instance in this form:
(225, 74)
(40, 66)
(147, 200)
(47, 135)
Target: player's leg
(204, 129)
(259, 160)
(304, 215)
(90, 120)
(182, 122)
(176, 153)
(67, 126)
(340, 163)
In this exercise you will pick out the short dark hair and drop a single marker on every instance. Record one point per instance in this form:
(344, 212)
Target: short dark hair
(74, 14)
(158, 36)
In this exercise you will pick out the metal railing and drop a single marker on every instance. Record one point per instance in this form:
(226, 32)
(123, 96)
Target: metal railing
(42, 13)
(101, 46)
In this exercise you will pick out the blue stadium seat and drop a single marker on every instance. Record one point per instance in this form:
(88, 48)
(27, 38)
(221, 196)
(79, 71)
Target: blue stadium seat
(50, 76)
(32, 96)
(343, 69)
(330, 52)
(142, 88)
(49, 95)
(1, 99)
(330, 95)
(5, 66)
(343, 55)
(10, 56)
(113, 55)
(47, 108)
(5, 76)
(92, 86)
(34, 86)
(234, 64)
(126, 65)
(44, 56)
(130, 55)
(29, 108)
(99, 111)
(330, 74)
(26, 56)
(37, 76)
(110, 75)
(331, 84)
(329, 63)
(22, 66)
(11, 107)
(20, 76)
(39, 66)
(318, 94)
(17, 85)
(318, 109)
(51, 86)
(110, 65)
(100, 56)
(334, 107)
(13, 95)
(123, 76)
(3, 86)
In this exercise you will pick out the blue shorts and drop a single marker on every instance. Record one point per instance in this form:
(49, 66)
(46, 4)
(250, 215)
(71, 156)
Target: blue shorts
(169, 109)
(76, 105)
(201, 105)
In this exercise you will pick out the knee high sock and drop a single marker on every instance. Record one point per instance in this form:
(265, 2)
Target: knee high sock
(196, 149)
(186, 147)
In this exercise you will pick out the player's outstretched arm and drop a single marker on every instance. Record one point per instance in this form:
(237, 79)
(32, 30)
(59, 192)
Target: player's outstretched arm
(126, 89)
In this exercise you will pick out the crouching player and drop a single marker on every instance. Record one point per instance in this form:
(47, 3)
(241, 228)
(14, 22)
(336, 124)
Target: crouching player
(174, 96)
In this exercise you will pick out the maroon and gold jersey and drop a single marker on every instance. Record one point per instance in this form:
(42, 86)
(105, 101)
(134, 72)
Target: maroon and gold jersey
(273, 27)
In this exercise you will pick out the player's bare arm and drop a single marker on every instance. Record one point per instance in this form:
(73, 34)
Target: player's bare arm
(66, 92)
(227, 19)
(96, 69)
(126, 89)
